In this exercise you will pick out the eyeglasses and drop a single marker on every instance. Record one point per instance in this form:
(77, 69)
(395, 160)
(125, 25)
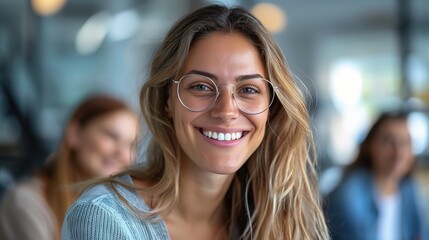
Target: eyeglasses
(199, 93)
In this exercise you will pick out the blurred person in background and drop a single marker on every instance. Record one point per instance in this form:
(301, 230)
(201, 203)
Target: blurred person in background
(98, 141)
(377, 198)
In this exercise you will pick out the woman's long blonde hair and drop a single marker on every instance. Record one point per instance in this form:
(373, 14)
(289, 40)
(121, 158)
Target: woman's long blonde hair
(274, 195)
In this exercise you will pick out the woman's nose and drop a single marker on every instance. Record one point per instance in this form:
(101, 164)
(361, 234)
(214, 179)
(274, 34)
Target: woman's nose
(225, 106)
(124, 152)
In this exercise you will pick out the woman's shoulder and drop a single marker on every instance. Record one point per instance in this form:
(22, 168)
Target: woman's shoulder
(108, 194)
(359, 177)
(25, 205)
(94, 192)
(353, 183)
(101, 208)
(27, 191)
(112, 198)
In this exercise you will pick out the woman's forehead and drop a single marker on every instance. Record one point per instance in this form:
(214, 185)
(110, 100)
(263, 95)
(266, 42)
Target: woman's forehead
(224, 56)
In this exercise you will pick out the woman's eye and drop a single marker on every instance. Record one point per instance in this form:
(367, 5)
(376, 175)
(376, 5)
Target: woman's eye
(249, 90)
(110, 134)
(200, 87)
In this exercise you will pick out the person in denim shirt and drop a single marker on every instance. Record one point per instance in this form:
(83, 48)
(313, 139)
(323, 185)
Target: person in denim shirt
(377, 198)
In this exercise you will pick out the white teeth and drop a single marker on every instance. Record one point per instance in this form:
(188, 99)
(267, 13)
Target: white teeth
(223, 136)
(238, 135)
(227, 136)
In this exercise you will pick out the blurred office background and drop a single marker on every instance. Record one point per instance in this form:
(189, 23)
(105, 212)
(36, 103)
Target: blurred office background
(356, 58)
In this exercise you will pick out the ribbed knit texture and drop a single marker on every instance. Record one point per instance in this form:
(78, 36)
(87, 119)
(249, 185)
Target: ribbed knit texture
(100, 214)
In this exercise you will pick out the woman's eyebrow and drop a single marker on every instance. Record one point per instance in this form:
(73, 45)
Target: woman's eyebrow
(239, 78)
(249, 76)
(207, 74)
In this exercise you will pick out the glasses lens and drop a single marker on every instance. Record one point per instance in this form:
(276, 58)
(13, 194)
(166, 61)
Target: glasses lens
(196, 92)
(254, 96)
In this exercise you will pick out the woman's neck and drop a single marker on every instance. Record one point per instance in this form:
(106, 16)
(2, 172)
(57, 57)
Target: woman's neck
(387, 186)
(200, 211)
(202, 197)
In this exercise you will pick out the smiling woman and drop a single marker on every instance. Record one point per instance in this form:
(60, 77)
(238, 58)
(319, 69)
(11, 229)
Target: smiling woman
(98, 141)
(228, 156)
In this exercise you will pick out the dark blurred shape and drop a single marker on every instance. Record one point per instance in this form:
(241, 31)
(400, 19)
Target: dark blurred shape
(377, 197)
(28, 144)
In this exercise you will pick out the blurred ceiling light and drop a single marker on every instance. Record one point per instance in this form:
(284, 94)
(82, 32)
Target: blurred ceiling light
(123, 25)
(272, 16)
(346, 85)
(418, 124)
(47, 7)
(92, 33)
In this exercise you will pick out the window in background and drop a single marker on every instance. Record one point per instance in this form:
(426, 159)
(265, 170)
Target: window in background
(358, 77)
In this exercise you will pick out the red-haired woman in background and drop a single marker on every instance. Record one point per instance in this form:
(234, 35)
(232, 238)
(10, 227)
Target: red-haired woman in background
(98, 141)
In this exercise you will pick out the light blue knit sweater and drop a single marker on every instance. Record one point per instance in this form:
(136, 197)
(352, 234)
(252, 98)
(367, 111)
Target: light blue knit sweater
(100, 214)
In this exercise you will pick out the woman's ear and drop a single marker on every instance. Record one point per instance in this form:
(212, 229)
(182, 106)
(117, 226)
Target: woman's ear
(72, 135)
